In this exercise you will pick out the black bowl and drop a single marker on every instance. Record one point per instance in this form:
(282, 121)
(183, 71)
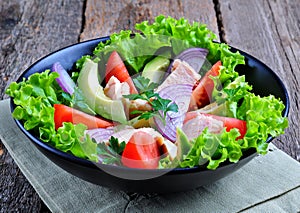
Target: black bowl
(171, 180)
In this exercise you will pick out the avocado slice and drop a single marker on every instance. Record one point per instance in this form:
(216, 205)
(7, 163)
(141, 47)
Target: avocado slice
(88, 83)
(155, 69)
(183, 144)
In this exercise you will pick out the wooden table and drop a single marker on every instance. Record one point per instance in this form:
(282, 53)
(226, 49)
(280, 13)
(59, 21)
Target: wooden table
(267, 29)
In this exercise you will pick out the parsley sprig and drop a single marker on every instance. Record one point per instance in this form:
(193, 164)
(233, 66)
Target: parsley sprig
(159, 104)
(112, 151)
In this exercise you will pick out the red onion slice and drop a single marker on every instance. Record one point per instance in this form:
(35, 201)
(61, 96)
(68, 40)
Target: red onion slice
(180, 94)
(100, 134)
(169, 130)
(194, 56)
(64, 80)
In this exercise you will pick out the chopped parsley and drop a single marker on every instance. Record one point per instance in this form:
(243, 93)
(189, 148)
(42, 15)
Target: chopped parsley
(158, 104)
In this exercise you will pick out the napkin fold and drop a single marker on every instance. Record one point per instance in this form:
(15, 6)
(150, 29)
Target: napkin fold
(268, 183)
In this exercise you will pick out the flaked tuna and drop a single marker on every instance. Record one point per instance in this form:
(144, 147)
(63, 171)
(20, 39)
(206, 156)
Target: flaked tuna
(182, 73)
(194, 127)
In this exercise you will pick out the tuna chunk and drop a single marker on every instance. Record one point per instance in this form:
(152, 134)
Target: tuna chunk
(182, 73)
(115, 89)
(132, 105)
(193, 127)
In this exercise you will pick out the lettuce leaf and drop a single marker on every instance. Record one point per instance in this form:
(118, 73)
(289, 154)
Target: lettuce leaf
(184, 35)
(230, 93)
(38, 85)
(71, 138)
(264, 118)
(167, 32)
(229, 61)
(136, 50)
(181, 33)
(79, 63)
(211, 149)
(262, 114)
(34, 98)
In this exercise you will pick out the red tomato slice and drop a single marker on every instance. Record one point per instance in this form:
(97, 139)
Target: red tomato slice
(116, 67)
(201, 95)
(229, 123)
(63, 113)
(141, 152)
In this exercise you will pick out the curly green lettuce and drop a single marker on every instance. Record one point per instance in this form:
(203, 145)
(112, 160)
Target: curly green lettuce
(264, 118)
(71, 138)
(184, 35)
(262, 114)
(211, 149)
(135, 50)
(171, 35)
(34, 98)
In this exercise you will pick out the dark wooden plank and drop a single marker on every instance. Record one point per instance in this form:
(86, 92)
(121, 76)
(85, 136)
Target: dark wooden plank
(29, 30)
(101, 21)
(270, 31)
(32, 29)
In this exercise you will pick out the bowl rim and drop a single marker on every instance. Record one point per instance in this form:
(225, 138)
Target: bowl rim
(173, 171)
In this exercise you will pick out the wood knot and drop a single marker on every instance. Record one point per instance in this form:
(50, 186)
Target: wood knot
(9, 17)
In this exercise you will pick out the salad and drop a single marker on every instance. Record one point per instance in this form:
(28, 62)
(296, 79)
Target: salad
(166, 96)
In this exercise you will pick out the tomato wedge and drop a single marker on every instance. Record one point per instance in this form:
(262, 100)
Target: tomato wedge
(201, 95)
(63, 113)
(141, 152)
(229, 123)
(116, 67)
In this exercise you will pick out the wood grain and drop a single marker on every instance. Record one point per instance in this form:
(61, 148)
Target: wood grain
(32, 29)
(270, 31)
(123, 15)
(28, 31)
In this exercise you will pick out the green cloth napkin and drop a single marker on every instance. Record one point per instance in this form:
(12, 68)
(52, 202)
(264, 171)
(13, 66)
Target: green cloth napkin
(269, 183)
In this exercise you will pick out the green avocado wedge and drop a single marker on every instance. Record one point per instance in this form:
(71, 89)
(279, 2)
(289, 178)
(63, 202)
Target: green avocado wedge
(183, 144)
(88, 83)
(155, 69)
